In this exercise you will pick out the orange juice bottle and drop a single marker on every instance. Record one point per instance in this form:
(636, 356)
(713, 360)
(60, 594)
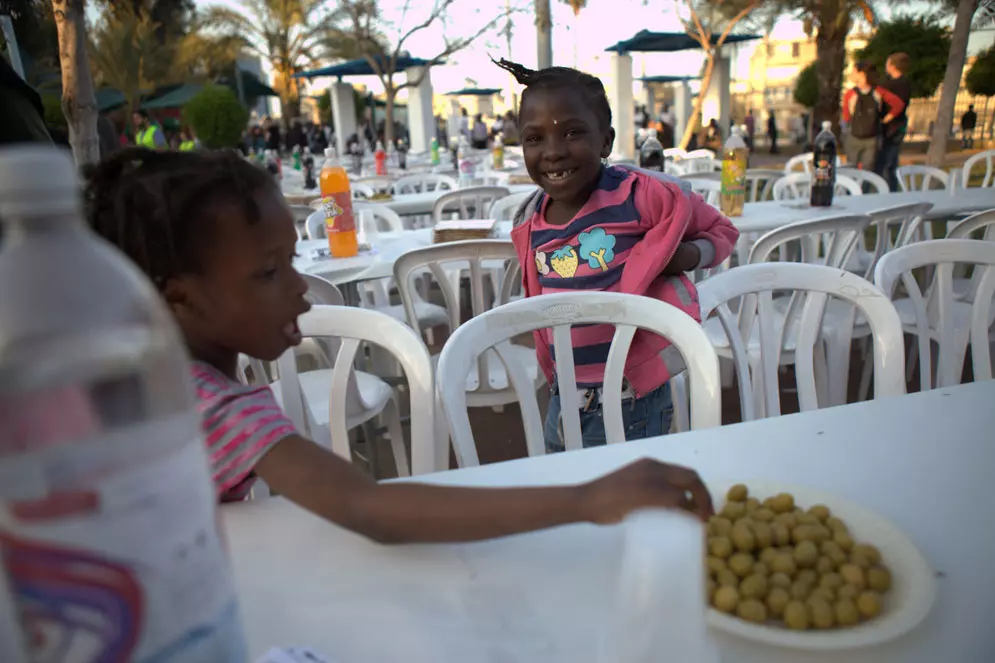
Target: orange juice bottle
(336, 201)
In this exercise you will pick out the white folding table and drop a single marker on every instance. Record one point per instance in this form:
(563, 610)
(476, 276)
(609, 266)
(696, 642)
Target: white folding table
(924, 461)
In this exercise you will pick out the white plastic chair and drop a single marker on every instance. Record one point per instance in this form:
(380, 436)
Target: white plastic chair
(760, 184)
(504, 209)
(803, 163)
(796, 186)
(700, 154)
(372, 218)
(425, 182)
(869, 180)
(922, 178)
(491, 178)
(698, 163)
(469, 203)
(493, 330)
(325, 404)
(759, 334)
(314, 225)
(894, 226)
(708, 189)
(829, 242)
(937, 315)
(987, 159)
(965, 289)
(489, 385)
(799, 163)
(361, 191)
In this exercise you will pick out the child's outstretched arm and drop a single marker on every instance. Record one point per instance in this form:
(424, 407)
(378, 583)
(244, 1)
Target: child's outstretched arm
(404, 512)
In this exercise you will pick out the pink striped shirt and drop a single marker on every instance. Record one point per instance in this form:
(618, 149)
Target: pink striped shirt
(241, 424)
(620, 241)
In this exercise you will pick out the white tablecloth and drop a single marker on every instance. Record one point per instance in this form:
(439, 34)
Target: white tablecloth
(770, 215)
(368, 265)
(923, 461)
(422, 203)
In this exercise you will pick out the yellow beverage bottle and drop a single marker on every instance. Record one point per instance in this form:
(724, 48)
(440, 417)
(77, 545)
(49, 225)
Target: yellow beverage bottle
(336, 202)
(734, 158)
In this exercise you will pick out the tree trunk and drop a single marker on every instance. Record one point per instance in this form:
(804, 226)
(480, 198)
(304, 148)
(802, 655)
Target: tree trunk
(951, 82)
(388, 125)
(830, 46)
(78, 101)
(544, 34)
(706, 79)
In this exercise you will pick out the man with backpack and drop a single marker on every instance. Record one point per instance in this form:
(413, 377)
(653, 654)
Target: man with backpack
(863, 107)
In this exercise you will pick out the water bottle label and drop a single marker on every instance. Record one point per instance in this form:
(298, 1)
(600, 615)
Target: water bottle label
(467, 167)
(733, 177)
(338, 212)
(111, 550)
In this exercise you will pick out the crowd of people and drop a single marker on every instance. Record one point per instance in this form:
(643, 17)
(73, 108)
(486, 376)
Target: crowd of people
(478, 133)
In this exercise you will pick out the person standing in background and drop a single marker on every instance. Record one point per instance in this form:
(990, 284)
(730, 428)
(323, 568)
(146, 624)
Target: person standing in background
(968, 122)
(751, 127)
(893, 133)
(772, 131)
(478, 137)
(863, 107)
(147, 133)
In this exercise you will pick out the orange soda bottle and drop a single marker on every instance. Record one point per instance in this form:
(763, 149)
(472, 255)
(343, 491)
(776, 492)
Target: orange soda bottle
(336, 201)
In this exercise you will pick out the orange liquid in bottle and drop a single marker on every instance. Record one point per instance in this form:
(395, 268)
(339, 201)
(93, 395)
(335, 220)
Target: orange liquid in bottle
(336, 201)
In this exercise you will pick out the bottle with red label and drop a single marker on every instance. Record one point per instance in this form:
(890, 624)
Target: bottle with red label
(336, 201)
(380, 157)
(109, 541)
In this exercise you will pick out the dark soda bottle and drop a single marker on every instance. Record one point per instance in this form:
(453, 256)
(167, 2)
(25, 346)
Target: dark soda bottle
(824, 167)
(651, 153)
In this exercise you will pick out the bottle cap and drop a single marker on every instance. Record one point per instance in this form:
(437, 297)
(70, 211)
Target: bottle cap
(37, 180)
(827, 126)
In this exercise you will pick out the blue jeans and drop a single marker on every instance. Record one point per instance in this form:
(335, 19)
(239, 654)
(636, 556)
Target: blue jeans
(887, 162)
(644, 417)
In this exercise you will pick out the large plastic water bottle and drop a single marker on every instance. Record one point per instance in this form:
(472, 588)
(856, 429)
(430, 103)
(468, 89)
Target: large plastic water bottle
(108, 527)
(651, 152)
(467, 168)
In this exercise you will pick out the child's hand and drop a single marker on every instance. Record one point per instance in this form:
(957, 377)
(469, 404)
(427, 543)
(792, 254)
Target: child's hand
(645, 483)
(685, 259)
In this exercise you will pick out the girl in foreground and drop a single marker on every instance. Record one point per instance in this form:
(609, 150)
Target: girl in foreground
(214, 235)
(609, 229)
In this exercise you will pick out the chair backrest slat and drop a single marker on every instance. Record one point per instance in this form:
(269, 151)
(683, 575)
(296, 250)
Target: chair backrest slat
(614, 373)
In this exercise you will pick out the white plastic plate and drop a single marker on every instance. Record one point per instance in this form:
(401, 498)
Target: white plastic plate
(905, 605)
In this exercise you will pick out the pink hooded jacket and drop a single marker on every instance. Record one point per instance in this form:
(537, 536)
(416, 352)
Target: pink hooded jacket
(668, 216)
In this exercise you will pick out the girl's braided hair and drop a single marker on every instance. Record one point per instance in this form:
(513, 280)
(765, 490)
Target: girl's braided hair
(159, 206)
(563, 77)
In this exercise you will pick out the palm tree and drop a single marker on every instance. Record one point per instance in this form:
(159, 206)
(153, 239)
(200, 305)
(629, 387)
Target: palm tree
(830, 21)
(951, 81)
(544, 29)
(544, 34)
(79, 104)
(289, 34)
(126, 54)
